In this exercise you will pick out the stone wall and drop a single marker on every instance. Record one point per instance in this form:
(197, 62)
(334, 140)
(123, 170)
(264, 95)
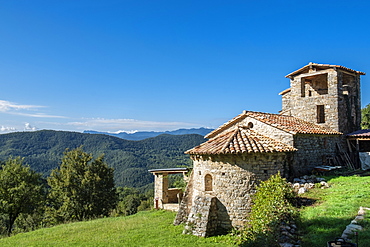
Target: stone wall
(313, 150)
(233, 182)
(264, 129)
(160, 190)
(337, 91)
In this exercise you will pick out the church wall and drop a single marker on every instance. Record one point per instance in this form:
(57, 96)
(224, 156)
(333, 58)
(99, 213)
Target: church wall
(269, 131)
(313, 150)
(233, 181)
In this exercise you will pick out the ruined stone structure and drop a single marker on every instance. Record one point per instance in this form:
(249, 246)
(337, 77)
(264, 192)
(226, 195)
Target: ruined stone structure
(322, 103)
(165, 197)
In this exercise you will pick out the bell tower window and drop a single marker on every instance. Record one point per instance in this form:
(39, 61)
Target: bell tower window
(320, 114)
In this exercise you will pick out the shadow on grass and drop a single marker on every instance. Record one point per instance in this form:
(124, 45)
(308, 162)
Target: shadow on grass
(317, 232)
(304, 201)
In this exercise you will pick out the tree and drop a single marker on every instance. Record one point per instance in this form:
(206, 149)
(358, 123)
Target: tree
(82, 188)
(365, 117)
(21, 190)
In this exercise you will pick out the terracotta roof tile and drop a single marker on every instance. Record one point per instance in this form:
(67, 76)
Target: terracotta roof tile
(323, 66)
(286, 123)
(240, 140)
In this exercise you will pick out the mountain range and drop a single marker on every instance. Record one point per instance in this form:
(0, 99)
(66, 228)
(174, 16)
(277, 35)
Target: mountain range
(131, 160)
(141, 135)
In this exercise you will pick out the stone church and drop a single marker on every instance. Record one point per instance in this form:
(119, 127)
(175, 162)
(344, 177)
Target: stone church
(319, 108)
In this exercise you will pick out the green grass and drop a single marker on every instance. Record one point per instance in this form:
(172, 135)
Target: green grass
(334, 209)
(150, 228)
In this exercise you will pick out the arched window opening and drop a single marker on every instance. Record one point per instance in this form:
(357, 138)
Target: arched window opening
(208, 182)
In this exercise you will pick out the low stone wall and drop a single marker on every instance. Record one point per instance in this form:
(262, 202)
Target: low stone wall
(354, 227)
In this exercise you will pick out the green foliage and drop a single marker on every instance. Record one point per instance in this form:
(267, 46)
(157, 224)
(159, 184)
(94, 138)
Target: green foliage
(131, 160)
(131, 201)
(21, 191)
(177, 181)
(365, 117)
(272, 204)
(82, 188)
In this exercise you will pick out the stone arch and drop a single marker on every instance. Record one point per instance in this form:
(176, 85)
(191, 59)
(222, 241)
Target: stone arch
(208, 182)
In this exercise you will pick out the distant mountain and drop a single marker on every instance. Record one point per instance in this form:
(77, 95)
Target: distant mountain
(131, 160)
(141, 135)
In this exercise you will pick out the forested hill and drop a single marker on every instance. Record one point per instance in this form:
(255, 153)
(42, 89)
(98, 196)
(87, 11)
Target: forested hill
(131, 160)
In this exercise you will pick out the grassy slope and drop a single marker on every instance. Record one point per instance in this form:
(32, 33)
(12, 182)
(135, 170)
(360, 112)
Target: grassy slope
(324, 221)
(150, 228)
(334, 209)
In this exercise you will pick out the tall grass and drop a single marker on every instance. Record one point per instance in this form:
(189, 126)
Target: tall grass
(334, 209)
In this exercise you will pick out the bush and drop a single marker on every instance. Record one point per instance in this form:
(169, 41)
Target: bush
(272, 205)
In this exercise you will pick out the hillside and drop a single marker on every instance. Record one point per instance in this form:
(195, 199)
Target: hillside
(141, 135)
(323, 220)
(150, 228)
(131, 160)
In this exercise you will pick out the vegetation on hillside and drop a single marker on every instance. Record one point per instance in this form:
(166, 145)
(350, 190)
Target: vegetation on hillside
(82, 188)
(21, 191)
(272, 205)
(43, 150)
(319, 222)
(365, 117)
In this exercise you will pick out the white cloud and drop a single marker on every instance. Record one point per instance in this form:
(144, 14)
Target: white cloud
(6, 106)
(27, 126)
(7, 129)
(22, 110)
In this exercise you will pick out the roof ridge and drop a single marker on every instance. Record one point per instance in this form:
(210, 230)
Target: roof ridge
(324, 65)
(229, 140)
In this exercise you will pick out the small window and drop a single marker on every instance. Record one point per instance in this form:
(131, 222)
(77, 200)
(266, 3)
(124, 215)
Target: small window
(208, 182)
(250, 125)
(320, 114)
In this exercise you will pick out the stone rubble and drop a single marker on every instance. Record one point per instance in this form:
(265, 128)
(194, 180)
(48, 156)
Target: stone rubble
(288, 235)
(303, 184)
(288, 232)
(354, 227)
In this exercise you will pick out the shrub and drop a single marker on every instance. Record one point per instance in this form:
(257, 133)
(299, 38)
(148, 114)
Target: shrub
(272, 205)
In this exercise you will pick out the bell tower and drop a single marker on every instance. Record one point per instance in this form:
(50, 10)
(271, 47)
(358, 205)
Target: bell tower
(325, 94)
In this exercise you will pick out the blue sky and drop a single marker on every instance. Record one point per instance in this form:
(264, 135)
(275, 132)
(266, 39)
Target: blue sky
(163, 65)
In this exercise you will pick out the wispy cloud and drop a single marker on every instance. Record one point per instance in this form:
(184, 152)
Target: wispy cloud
(23, 110)
(127, 124)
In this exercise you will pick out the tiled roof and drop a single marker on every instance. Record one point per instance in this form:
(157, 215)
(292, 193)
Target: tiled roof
(240, 140)
(286, 123)
(360, 133)
(323, 66)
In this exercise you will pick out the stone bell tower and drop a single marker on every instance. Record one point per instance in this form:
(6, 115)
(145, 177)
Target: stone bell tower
(325, 94)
